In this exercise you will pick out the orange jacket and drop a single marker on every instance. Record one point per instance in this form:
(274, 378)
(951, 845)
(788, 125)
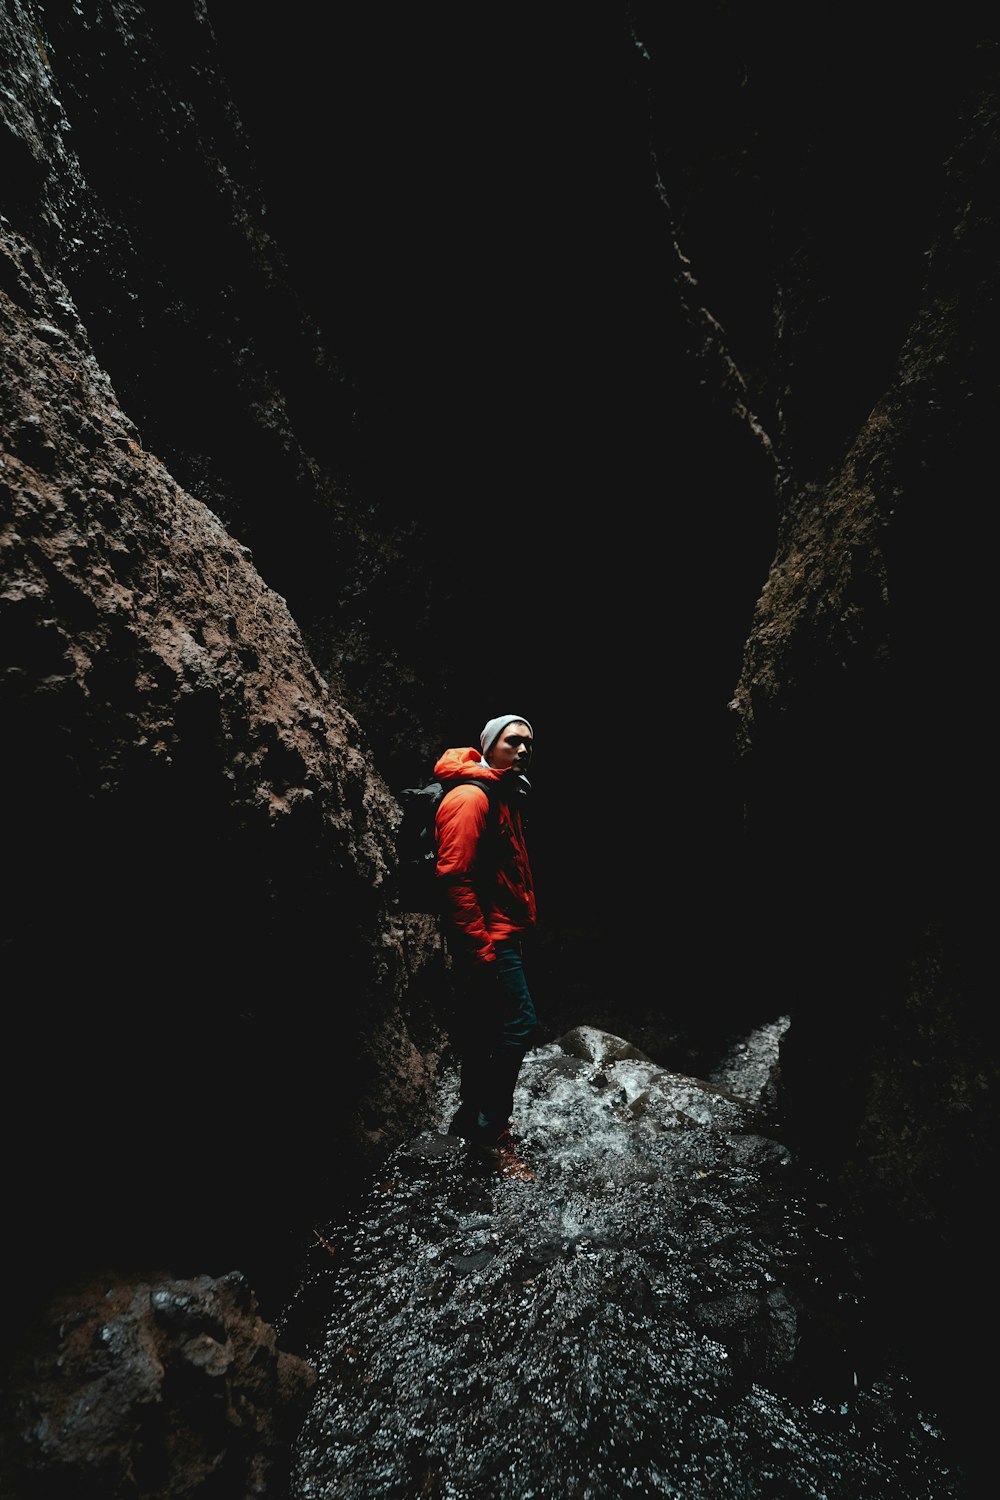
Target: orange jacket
(507, 906)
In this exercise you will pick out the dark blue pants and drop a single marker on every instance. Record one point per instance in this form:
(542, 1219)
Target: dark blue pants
(495, 1030)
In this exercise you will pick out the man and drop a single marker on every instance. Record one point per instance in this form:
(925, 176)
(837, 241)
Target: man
(489, 904)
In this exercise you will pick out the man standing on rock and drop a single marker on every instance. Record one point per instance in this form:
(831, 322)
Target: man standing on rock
(489, 904)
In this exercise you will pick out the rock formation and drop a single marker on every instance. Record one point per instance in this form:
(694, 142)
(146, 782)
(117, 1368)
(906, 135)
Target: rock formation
(744, 311)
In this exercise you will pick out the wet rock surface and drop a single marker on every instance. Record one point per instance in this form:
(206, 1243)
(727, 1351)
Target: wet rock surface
(660, 1311)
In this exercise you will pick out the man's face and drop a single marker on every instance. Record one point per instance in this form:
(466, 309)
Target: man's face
(512, 747)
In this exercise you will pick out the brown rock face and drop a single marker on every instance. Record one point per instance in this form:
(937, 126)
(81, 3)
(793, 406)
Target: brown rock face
(862, 706)
(197, 845)
(161, 1387)
(207, 973)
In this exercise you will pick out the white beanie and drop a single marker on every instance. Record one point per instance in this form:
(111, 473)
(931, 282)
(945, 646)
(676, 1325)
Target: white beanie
(493, 730)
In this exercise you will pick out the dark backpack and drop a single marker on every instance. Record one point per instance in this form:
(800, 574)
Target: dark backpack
(416, 842)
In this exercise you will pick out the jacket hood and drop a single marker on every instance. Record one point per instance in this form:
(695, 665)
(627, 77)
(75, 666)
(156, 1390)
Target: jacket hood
(465, 762)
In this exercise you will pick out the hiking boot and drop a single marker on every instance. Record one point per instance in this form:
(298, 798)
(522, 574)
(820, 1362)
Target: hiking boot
(509, 1163)
(500, 1158)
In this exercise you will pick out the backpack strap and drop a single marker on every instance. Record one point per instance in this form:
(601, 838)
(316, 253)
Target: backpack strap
(449, 783)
